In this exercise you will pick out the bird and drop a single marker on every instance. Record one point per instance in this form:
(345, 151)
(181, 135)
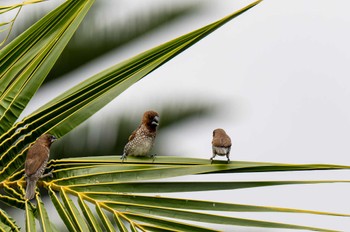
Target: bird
(221, 144)
(142, 139)
(36, 161)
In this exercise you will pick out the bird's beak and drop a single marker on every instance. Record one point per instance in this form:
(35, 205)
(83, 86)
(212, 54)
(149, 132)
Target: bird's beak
(53, 139)
(155, 121)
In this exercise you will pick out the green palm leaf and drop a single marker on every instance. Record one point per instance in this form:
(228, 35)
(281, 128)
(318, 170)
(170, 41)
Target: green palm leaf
(27, 60)
(78, 220)
(168, 224)
(43, 216)
(64, 214)
(7, 223)
(104, 218)
(30, 219)
(118, 221)
(112, 185)
(93, 223)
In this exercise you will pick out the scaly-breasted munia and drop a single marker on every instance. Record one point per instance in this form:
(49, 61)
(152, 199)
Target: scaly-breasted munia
(36, 161)
(221, 144)
(142, 139)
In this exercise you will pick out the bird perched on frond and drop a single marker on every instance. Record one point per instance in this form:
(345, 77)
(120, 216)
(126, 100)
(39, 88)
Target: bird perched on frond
(36, 161)
(221, 144)
(142, 139)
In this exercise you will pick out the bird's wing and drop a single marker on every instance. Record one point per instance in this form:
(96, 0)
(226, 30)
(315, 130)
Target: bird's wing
(222, 142)
(132, 136)
(226, 142)
(36, 156)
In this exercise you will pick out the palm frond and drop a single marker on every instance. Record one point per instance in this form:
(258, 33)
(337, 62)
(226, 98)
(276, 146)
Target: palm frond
(132, 191)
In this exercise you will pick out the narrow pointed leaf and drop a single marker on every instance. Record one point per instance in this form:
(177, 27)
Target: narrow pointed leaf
(76, 172)
(171, 224)
(62, 211)
(4, 227)
(132, 227)
(45, 223)
(14, 193)
(8, 223)
(90, 218)
(137, 175)
(15, 202)
(203, 217)
(76, 216)
(155, 228)
(190, 204)
(164, 187)
(236, 165)
(131, 160)
(119, 222)
(30, 219)
(105, 220)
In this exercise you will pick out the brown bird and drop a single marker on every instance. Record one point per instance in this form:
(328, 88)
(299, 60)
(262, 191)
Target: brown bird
(36, 161)
(142, 139)
(221, 144)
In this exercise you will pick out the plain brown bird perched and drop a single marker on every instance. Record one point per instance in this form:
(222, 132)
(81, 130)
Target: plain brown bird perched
(142, 139)
(221, 144)
(36, 161)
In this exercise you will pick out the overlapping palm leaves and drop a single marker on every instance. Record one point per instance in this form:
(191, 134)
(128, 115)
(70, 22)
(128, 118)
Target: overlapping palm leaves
(99, 193)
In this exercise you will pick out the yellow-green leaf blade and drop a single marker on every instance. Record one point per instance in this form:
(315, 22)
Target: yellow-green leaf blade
(204, 217)
(30, 219)
(171, 224)
(190, 204)
(168, 187)
(119, 222)
(136, 175)
(8, 223)
(62, 211)
(18, 203)
(76, 216)
(90, 218)
(45, 223)
(105, 220)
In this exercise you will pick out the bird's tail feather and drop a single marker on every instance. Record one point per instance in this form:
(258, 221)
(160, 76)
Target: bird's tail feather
(30, 190)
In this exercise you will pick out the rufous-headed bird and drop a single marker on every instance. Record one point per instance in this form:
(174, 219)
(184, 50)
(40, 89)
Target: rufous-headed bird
(142, 139)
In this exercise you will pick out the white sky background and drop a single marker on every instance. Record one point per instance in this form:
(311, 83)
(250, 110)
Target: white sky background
(281, 75)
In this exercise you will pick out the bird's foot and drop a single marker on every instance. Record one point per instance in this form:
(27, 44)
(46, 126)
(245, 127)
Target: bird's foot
(123, 157)
(211, 160)
(48, 174)
(228, 160)
(153, 157)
